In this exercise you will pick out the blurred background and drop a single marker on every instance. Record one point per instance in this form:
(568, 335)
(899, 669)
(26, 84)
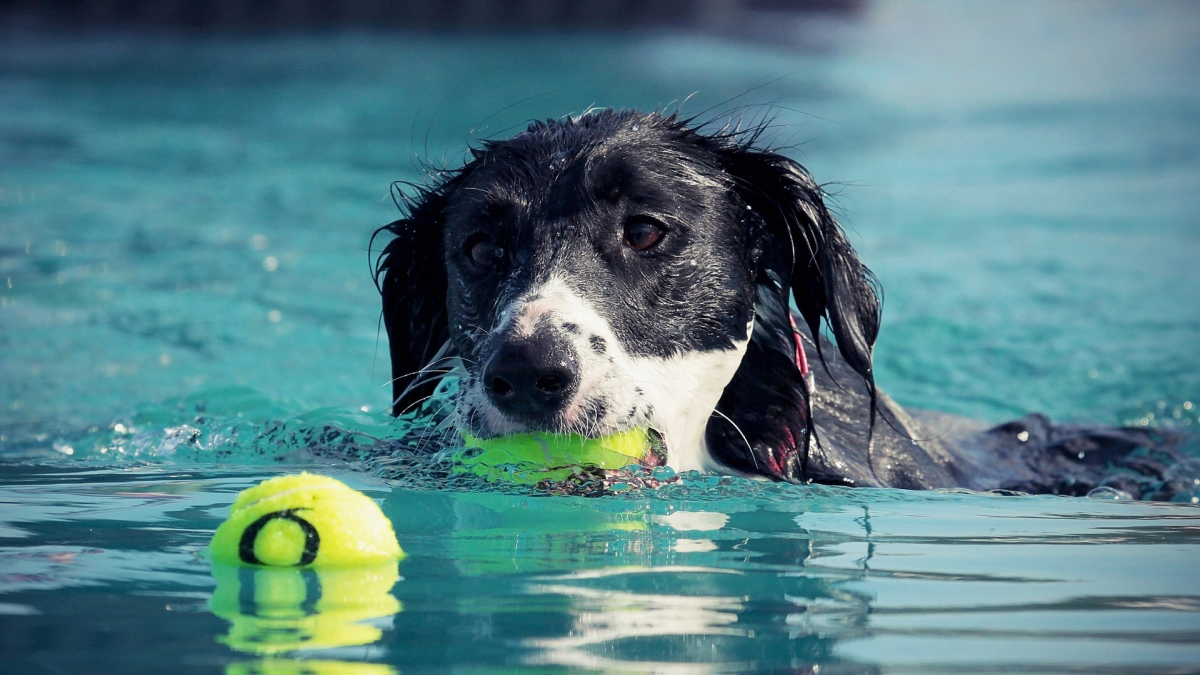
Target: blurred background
(188, 188)
(444, 15)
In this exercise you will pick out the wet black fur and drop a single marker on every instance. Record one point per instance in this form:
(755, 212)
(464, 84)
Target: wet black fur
(766, 223)
(749, 232)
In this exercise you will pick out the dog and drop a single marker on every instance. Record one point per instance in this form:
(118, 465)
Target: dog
(622, 269)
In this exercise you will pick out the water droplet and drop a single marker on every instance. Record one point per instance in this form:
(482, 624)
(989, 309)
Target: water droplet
(664, 473)
(1106, 492)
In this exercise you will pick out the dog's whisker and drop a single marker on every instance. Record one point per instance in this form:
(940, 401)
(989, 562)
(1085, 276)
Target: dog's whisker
(438, 429)
(434, 362)
(749, 448)
(423, 371)
(440, 433)
(412, 386)
(481, 329)
(414, 404)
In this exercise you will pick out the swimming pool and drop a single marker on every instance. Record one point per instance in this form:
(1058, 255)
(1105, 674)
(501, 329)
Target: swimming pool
(186, 307)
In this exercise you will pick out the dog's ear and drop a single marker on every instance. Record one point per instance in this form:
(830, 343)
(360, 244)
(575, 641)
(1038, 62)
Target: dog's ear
(798, 239)
(411, 275)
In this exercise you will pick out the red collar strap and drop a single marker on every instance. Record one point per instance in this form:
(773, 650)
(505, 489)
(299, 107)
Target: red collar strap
(801, 357)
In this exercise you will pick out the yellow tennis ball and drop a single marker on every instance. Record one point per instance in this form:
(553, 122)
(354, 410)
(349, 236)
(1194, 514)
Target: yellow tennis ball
(531, 457)
(304, 520)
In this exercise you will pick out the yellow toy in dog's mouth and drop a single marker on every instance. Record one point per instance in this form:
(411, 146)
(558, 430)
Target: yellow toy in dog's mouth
(533, 457)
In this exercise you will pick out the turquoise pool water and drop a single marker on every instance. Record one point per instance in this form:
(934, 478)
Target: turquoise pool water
(186, 309)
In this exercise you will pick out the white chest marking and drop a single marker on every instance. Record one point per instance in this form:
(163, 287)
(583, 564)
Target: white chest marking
(687, 388)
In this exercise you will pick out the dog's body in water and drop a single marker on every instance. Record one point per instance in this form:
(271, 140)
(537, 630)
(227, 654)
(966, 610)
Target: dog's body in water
(623, 269)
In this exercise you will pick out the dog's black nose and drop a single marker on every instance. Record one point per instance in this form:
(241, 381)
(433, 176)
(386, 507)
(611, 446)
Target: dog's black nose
(533, 375)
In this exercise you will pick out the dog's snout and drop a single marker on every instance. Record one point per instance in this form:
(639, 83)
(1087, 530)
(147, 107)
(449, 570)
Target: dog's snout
(533, 375)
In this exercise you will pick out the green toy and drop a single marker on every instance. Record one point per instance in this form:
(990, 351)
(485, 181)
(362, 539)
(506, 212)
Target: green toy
(533, 457)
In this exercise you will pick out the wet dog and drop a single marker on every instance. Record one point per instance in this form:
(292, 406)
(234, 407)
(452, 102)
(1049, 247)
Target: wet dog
(622, 269)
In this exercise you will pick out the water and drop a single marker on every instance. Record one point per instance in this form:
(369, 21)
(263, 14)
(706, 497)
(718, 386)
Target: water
(186, 309)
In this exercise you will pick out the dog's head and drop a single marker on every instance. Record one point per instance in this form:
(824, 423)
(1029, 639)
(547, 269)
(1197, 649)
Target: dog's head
(605, 272)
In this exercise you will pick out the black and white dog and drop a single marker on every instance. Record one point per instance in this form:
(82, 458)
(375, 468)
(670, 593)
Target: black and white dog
(622, 269)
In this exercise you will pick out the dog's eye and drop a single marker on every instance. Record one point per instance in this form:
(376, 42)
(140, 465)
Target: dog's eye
(484, 253)
(643, 232)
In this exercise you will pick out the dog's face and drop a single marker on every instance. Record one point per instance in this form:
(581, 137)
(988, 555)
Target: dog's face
(595, 283)
(601, 273)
